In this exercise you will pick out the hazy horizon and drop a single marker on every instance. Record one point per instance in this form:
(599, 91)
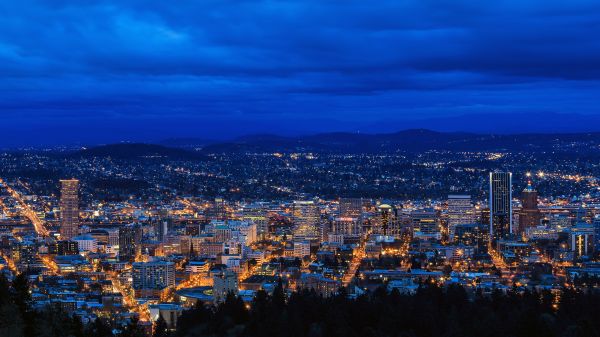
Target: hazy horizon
(159, 134)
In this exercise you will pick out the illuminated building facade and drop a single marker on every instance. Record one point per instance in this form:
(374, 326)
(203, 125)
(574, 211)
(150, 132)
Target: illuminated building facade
(460, 211)
(69, 208)
(153, 275)
(581, 239)
(130, 237)
(351, 208)
(529, 215)
(306, 217)
(387, 219)
(346, 226)
(501, 221)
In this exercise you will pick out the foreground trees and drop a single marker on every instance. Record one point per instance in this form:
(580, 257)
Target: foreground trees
(432, 312)
(18, 319)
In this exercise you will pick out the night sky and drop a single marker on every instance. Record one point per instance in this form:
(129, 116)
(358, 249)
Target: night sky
(103, 71)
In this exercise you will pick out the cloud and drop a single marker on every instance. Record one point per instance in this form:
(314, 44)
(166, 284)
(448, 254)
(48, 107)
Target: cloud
(288, 60)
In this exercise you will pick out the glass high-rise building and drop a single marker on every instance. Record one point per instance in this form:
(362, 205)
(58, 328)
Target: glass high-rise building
(530, 215)
(130, 237)
(69, 208)
(153, 275)
(501, 221)
(351, 208)
(306, 218)
(460, 211)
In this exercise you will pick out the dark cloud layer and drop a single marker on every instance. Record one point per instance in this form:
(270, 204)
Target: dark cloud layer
(108, 70)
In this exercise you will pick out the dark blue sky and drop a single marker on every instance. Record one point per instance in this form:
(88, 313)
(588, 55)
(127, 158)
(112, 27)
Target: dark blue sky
(101, 71)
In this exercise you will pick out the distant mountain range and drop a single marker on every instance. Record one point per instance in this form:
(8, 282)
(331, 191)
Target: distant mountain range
(415, 140)
(188, 143)
(136, 151)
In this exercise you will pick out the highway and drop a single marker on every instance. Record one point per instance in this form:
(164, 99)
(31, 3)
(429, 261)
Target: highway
(26, 211)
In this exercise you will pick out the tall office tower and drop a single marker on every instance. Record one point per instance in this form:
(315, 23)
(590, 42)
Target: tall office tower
(130, 237)
(346, 226)
(25, 252)
(163, 224)
(351, 208)
(153, 275)
(385, 218)
(257, 213)
(113, 236)
(500, 205)
(460, 211)
(581, 239)
(161, 228)
(530, 214)
(69, 208)
(306, 218)
(218, 210)
(426, 224)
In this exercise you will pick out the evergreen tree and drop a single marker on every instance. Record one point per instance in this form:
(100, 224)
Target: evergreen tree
(160, 328)
(98, 329)
(76, 326)
(4, 290)
(194, 321)
(11, 321)
(21, 295)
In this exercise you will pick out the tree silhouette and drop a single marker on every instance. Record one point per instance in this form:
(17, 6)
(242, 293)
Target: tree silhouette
(133, 329)
(98, 329)
(160, 328)
(432, 311)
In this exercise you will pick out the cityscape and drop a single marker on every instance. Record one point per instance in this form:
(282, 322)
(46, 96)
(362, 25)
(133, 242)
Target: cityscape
(135, 231)
(299, 168)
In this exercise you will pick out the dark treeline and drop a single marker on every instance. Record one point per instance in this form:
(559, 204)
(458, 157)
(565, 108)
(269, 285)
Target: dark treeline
(19, 319)
(431, 312)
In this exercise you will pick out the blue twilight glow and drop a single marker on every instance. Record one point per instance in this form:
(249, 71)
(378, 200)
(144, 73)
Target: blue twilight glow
(96, 71)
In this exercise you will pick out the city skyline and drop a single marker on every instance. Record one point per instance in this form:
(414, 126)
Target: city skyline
(136, 238)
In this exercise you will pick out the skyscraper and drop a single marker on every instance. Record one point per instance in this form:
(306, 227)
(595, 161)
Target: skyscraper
(69, 208)
(162, 224)
(500, 205)
(351, 207)
(530, 215)
(425, 224)
(218, 211)
(153, 275)
(130, 237)
(346, 226)
(387, 215)
(460, 211)
(306, 218)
